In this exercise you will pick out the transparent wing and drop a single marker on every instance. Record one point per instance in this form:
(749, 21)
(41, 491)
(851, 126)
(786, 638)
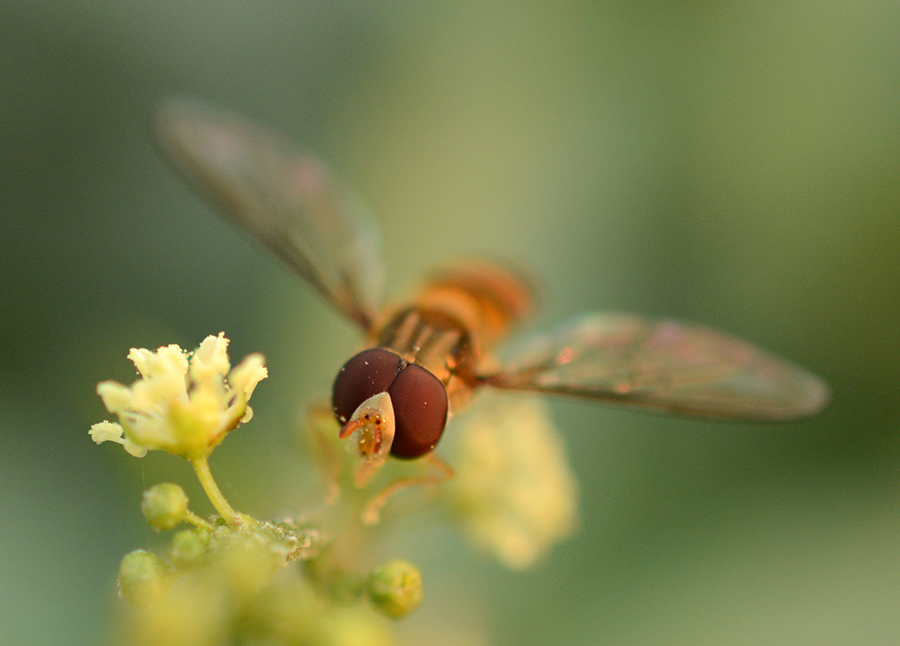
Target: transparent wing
(666, 366)
(289, 201)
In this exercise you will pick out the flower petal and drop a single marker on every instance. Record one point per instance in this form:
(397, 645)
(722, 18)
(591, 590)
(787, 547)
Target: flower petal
(115, 396)
(246, 375)
(211, 357)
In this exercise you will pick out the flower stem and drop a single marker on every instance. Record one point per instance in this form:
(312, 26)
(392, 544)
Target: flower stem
(204, 475)
(195, 520)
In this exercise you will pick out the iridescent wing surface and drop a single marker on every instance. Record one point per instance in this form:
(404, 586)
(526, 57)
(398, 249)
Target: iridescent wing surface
(288, 200)
(666, 366)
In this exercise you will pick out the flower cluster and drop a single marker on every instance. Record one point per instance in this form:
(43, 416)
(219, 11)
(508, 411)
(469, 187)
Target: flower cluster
(181, 405)
(225, 578)
(513, 493)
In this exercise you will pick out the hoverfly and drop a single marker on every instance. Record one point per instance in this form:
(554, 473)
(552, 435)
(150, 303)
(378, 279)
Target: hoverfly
(424, 359)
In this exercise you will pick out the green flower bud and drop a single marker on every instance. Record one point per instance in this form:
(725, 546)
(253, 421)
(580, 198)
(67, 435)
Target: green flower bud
(188, 548)
(144, 578)
(396, 588)
(164, 505)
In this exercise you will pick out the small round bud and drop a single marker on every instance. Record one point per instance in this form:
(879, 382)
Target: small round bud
(164, 505)
(144, 578)
(188, 548)
(396, 588)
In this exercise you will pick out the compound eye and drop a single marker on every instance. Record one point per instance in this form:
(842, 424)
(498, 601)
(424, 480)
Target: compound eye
(420, 411)
(368, 373)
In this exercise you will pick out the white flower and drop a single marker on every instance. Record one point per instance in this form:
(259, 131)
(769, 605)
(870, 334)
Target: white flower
(182, 405)
(513, 490)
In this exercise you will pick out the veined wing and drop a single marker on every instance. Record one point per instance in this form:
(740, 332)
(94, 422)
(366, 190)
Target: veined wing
(289, 201)
(666, 366)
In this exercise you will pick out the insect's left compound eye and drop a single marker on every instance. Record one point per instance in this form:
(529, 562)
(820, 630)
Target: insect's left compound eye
(368, 373)
(420, 411)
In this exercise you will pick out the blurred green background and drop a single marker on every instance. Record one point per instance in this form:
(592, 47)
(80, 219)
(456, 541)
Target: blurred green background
(736, 164)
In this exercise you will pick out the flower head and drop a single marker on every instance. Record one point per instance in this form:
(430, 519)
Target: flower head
(514, 490)
(183, 404)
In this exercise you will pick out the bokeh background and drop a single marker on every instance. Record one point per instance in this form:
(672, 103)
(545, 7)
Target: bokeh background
(736, 164)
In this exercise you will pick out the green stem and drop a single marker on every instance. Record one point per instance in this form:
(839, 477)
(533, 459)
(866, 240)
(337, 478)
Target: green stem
(204, 475)
(195, 520)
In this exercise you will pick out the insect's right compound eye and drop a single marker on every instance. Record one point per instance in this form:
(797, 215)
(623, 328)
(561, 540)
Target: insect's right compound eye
(419, 400)
(367, 374)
